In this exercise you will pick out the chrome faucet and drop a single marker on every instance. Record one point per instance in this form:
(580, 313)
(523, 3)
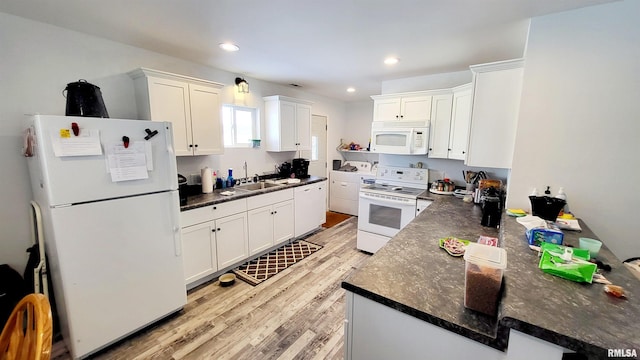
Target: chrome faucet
(245, 171)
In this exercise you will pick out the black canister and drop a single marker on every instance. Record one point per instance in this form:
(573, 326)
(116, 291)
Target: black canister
(491, 211)
(84, 99)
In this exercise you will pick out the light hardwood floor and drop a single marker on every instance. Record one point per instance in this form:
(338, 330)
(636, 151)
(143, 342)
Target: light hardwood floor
(298, 314)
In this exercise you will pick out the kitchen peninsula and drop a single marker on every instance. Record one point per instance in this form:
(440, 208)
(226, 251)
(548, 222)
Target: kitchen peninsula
(407, 300)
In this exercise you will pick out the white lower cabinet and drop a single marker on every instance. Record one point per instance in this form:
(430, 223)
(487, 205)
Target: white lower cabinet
(270, 220)
(216, 237)
(213, 237)
(310, 207)
(199, 251)
(231, 239)
(270, 225)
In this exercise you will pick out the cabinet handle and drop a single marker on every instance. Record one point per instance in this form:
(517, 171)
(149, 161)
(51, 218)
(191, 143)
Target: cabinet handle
(397, 116)
(401, 116)
(196, 145)
(275, 212)
(430, 149)
(464, 152)
(214, 208)
(213, 230)
(190, 145)
(272, 213)
(448, 149)
(218, 229)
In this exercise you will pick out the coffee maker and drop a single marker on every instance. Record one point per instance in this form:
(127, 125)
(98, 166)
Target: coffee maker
(300, 167)
(491, 207)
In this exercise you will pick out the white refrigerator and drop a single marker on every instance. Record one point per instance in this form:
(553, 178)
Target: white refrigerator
(107, 190)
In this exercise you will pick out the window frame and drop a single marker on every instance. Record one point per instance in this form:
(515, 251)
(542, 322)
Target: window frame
(255, 126)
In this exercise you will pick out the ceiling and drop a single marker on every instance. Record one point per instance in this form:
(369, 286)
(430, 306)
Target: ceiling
(322, 46)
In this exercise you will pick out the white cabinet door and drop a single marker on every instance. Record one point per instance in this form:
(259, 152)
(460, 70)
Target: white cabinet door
(415, 108)
(260, 229)
(460, 121)
(303, 127)
(283, 224)
(310, 207)
(232, 239)
(440, 126)
(199, 251)
(192, 105)
(169, 101)
(288, 123)
(402, 107)
(205, 120)
(494, 114)
(386, 109)
(321, 201)
(288, 134)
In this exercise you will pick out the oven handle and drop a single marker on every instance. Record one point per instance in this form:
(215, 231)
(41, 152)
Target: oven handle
(386, 201)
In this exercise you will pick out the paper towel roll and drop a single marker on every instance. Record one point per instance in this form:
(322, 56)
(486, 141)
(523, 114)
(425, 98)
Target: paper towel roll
(207, 180)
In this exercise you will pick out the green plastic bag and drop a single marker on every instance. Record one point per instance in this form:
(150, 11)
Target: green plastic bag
(568, 263)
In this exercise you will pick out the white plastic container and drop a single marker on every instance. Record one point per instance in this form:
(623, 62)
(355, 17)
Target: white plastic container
(484, 268)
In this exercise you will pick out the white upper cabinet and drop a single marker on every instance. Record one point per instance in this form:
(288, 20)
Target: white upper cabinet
(288, 123)
(494, 116)
(191, 105)
(414, 106)
(460, 122)
(440, 126)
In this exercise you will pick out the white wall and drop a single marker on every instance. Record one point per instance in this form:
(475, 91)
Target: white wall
(578, 125)
(37, 62)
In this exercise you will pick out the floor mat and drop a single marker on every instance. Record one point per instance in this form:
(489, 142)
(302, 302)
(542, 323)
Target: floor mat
(334, 218)
(256, 271)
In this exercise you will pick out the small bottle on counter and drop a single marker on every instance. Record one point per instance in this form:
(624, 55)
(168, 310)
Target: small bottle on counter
(230, 180)
(219, 183)
(562, 195)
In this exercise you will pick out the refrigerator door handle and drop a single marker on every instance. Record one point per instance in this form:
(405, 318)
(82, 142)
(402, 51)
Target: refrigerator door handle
(169, 141)
(177, 241)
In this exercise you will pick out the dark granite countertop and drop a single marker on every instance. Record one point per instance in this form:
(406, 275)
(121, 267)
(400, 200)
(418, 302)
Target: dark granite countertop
(413, 275)
(201, 200)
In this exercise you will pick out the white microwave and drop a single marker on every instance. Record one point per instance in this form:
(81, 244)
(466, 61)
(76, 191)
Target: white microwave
(400, 140)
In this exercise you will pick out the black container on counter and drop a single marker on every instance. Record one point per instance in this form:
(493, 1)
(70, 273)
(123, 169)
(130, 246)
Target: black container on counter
(546, 207)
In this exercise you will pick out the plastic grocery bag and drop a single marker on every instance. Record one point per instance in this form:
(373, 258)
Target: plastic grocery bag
(567, 263)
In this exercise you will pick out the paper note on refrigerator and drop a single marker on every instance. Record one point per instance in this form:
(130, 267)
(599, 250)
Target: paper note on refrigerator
(85, 144)
(127, 163)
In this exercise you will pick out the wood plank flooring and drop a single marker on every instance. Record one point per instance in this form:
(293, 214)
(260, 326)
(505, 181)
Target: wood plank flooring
(297, 314)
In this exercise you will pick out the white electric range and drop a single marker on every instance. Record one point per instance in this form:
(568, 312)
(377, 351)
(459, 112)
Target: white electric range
(389, 204)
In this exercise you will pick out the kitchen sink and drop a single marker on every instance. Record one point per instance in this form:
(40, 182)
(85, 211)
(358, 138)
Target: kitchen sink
(258, 186)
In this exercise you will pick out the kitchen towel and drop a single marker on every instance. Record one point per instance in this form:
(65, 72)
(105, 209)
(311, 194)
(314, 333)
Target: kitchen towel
(206, 177)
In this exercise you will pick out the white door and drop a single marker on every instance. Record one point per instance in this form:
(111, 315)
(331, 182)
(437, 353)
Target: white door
(199, 251)
(303, 127)
(386, 109)
(206, 126)
(116, 266)
(282, 224)
(260, 229)
(232, 239)
(76, 179)
(415, 108)
(169, 101)
(318, 154)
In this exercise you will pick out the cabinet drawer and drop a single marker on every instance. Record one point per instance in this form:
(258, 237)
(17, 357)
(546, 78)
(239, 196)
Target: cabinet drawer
(270, 198)
(211, 212)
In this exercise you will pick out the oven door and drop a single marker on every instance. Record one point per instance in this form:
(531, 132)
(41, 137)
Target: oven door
(384, 214)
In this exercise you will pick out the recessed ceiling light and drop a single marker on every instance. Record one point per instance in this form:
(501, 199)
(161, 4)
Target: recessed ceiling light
(351, 89)
(391, 60)
(229, 47)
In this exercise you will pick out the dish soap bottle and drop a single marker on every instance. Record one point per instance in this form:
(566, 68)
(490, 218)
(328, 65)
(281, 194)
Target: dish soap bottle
(219, 184)
(562, 195)
(230, 180)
